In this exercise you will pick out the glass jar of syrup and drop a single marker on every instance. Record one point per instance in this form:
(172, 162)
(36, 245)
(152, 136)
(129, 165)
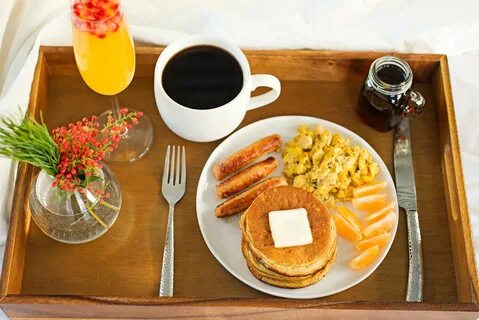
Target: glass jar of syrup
(386, 96)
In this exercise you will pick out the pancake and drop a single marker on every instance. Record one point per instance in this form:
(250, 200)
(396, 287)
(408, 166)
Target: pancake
(296, 261)
(272, 267)
(264, 274)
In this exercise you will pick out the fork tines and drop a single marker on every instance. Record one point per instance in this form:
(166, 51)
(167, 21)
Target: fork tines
(170, 175)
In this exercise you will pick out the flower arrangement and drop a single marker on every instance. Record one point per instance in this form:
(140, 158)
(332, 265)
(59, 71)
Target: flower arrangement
(72, 155)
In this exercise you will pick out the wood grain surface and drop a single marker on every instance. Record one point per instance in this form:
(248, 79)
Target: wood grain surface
(239, 309)
(125, 263)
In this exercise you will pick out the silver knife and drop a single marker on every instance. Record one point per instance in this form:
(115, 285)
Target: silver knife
(406, 190)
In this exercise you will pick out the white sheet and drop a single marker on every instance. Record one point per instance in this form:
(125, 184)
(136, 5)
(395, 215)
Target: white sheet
(448, 27)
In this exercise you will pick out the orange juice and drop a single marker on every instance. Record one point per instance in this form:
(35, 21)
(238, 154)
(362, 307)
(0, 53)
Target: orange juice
(103, 47)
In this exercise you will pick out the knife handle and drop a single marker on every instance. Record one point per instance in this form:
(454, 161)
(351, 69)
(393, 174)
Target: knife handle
(415, 276)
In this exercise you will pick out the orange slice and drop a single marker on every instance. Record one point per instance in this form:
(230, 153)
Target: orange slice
(369, 189)
(369, 203)
(365, 258)
(384, 224)
(379, 240)
(345, 229)
(373, 217)
(351, 218)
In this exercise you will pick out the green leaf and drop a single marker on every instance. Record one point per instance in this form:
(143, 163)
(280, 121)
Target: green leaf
(94, 178)
(24, 139)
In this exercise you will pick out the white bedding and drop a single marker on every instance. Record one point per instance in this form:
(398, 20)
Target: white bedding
(450, 27)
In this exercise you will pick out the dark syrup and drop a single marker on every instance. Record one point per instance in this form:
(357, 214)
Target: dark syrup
(379, 110)
(202, 77)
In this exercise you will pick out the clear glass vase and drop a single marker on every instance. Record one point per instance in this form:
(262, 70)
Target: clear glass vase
(75, 217)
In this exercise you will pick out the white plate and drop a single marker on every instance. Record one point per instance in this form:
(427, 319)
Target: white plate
(223, 236)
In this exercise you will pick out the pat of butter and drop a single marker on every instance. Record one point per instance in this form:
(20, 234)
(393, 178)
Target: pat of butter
(290, 228)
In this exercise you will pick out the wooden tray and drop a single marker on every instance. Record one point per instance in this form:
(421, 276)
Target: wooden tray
(118, 274)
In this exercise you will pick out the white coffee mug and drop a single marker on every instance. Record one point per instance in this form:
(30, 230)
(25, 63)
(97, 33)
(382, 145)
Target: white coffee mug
(211, 124)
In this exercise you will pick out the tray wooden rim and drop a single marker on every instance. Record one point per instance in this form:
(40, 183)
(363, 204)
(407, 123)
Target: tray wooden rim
(273, 302)
(24, 172)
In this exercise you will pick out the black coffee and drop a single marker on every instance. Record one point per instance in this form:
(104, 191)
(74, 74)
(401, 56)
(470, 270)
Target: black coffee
(202, 77)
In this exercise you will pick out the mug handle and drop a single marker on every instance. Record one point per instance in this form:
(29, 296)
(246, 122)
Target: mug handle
(264, 80)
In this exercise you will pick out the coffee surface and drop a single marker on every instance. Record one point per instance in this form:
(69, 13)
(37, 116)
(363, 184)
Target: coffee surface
(202, 77)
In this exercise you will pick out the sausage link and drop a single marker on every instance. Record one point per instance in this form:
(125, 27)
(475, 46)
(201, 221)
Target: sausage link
(247, 155)
(245, 178)
(243, 200)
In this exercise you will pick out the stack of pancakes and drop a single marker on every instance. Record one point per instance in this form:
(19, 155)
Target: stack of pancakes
(292, 267)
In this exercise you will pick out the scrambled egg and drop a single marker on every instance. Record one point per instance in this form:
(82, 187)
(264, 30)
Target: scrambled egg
(326, 165)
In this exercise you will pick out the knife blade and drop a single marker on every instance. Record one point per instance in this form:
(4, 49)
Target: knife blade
(407, 199)
(403, 167)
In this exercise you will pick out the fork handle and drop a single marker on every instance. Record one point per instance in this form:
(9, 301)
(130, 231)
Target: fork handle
(415, 275)
(168, 265)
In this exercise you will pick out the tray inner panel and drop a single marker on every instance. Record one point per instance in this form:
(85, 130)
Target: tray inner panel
(126, 261)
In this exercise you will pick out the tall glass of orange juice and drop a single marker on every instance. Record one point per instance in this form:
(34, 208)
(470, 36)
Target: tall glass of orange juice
(105, 56)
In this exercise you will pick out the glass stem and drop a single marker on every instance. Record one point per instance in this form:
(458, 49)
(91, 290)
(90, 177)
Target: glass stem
(115, 105)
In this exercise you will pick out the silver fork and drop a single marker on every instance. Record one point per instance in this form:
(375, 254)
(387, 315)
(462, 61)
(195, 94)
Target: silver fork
(173, 189)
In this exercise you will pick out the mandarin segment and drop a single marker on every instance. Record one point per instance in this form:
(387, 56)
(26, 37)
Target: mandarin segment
(350, 217)
(369, 189)
(375, 216)
(369, 203)
(379, 240)
(385, 224)
(345, 229)
(365, 258)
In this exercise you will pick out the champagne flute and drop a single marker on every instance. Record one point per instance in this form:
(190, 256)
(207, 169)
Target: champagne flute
(105, 56)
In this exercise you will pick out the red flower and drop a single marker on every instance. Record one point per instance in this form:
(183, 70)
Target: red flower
(83, 145)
